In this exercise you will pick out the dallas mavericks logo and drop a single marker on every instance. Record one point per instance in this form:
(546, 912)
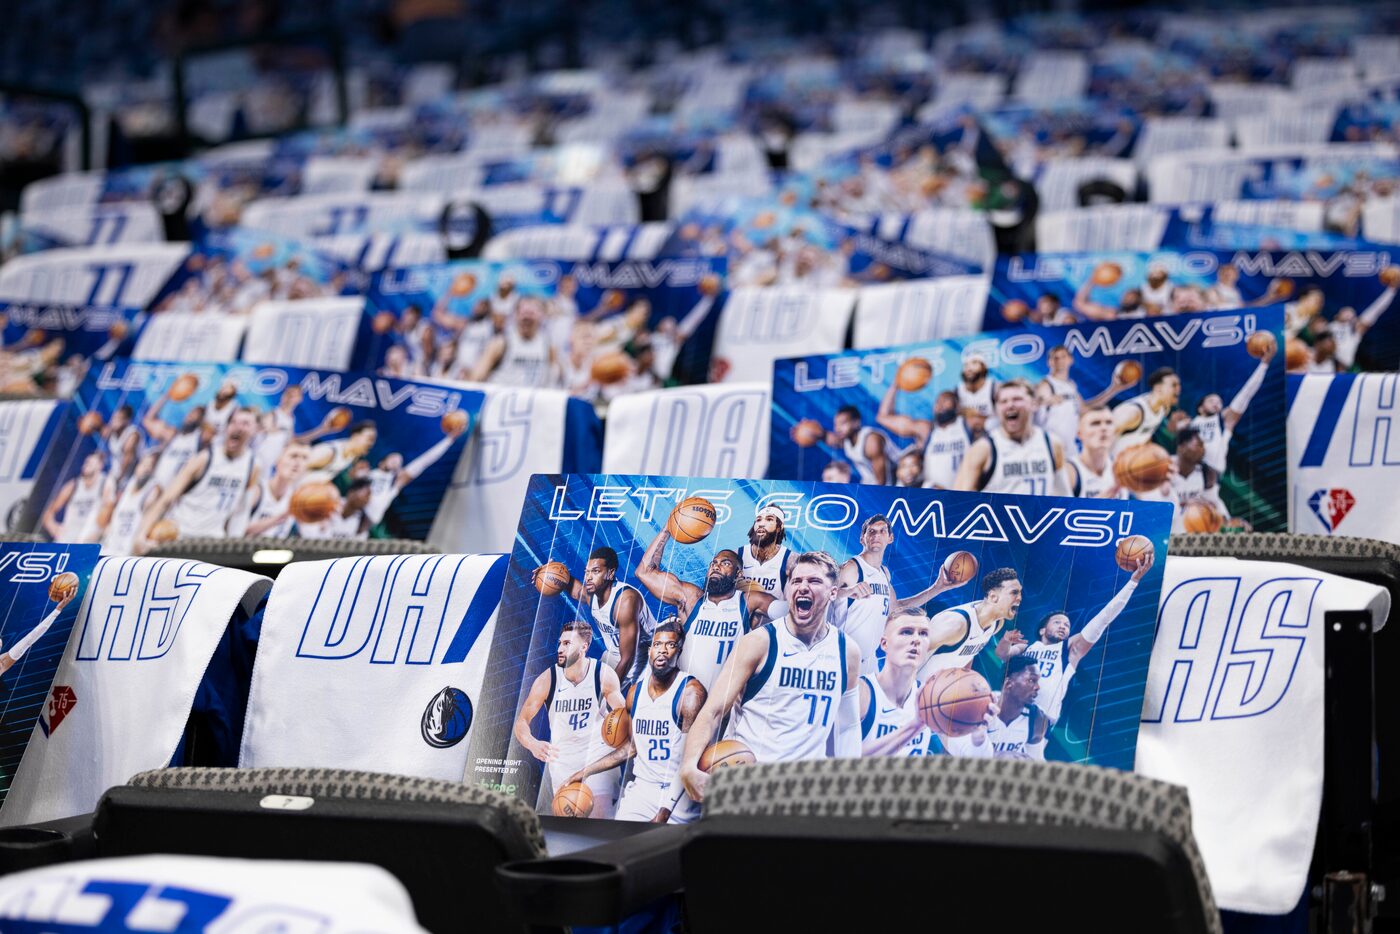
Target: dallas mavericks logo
(447, 719)
(1331, 506)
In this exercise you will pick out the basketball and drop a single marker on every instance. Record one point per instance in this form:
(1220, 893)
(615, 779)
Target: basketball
(34, 337)
(1390, 277)
(1281, 288)
(573, 800)
(1142, 467)
(617, 727)
(89, 423)
(764, 219)
(262, 251)
(164, 531)
(382, 323)
(314, 502)
(913, 374)
(1015, 311)
(183, 387)
(961, 567)
(709, 284)
(611, 367)
(954, 701)
(692, 520)
(552, 579)
(808, 432)
(1130, 549)
(1200, 516)
(1107, 274)
(1127, 373)
(339, 418)
(454, 421)
(118, 331)
(1261, 344)
(1297, 356)
(613, 299)
(63, 585)
(725, 753)
(463, 283)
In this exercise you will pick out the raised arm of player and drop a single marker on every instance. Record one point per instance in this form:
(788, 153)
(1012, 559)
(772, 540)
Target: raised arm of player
(1235, 410)
(414, 469)
(539, 693)
(846, 733)
(444, 318)
(1090, 308)
(50, 517)
(970, 471)
(15, 652)
(875, 453)
(940, 584)
(490, 359)
(157, 428)
(1127, 417)
(1368, 318)
(629, 607)
(665, 586)
(1114, 387)
(749, 653)
(903, 425)
(1081, 642)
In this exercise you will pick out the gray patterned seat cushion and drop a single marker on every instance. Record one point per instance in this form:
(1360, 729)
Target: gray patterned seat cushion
(343, 783)
(943, 788)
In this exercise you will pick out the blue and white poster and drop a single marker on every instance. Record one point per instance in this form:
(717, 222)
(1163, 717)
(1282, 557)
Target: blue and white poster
(46, 349)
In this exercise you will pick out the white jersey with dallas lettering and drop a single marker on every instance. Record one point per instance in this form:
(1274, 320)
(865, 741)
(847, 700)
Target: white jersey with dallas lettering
(854, 449)
(126, 517)
(524, 362)
(1089, 482)
(770, 575)
(710, 632)
(979, 400)
(1061, 419)
(960, 653)
(943, 454)
(885, 717)
(271, 442)
(1216, 437)
(80, 513)
(216, 418)
(1020, 466)
(866, 616)
(788, 708)
(1055, 671)
(576, 714)
(1006, 740)
(207, 504)
(1146, 424)
(269, 506)
(1159, 295)
(605, 624)
(176, 453)
(656, 732)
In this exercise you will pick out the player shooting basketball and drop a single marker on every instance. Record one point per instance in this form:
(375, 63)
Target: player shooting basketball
(959, 634)
(14, 653)
(620, 615)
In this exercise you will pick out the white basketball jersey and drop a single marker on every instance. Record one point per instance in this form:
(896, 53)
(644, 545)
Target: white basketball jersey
(1157, 295)
(1012, 740)
(126, 518)
(1055, 672)
(205, 507)
(175, 455)
(525, 362)
(605, 623)
(270, 505)
(710, 632)
(1216, 437)
(979, 400)
(1020, 466)
(270, 443)
(865, 470)
(885, 717)
(471, 343)
(80, 513)
(1147, 425)
(944, 453)
(217, 417)
(1062, 418)
(789, 706)
(575, 716)
(772, 574)
(961, 653)
(1087, 482)
(866, 616)
(656, 730)
(383, 488)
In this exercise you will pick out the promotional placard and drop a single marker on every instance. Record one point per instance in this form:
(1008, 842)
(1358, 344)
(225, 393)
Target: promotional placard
(151, 452)
(47, 348)
(1187, 409)
(655, 628)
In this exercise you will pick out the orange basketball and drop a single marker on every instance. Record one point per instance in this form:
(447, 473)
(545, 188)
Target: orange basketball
(765, 219)
(454, 421)
(725, 754)
(1142, 467)
(183, 387)
(339, 418)
(692, 520)
(464, 283)
(262, 251)
(63, 585)
(315, 502)
(617, 727)
(961, 567)
(1390, 277)
(118, 331)
(613, 299)
(913, 374)
(164, 531)
(34, 337)
(1106, 274)
(1130, 549)
(1297, 356)
(89, 423)
(709, 284)
(1281, 288)
(1261, 344)
(808, 432)
(611, 367)
(573, 800)
(1015, 311)
(382, 322)
(954, 701)
(1128, 372)
(552, 579)
(1200, 516)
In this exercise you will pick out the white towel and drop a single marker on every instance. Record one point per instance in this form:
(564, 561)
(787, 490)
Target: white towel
(1234, 711)
(191, 337)
(373, 663)
(139, 649)
(691, 431)
(198, 894)
(316, 332)
(919, 310)
(760, 325)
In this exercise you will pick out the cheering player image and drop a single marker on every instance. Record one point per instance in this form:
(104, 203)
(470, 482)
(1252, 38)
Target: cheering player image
(959, 634)
(1014, 456)
(578, 692)
(662, 706)
(620, 615)
(1216, 422)
(212, 485)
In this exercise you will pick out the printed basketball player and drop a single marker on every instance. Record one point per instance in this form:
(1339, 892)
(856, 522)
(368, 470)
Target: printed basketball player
(960, 633)
(1015, 456)
(221, 409)
(944, 439)
(1217, 426)
(268, 510)
(663, 706)
(797, 679)
(866, 598)
(329, 458)
(1190, 479)
(1090, 472)
(176, 443)
(1059, 400)
(578, 692)
(79, 500)
(715, 616)
(11, 656)
(1058, 653)
(977, 391)
(211, 486)
(620, 614)
(1136, 420)
(349, 521)
(522, 355)
(867, 449)
(765, 557)
(119, 533)
(1018, 730)
(390, 478)
(122, 441)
